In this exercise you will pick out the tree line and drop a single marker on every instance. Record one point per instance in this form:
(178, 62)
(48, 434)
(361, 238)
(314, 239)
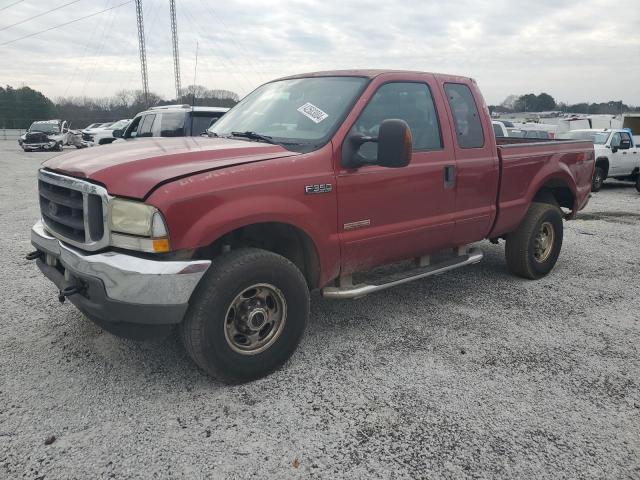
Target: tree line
(19, 107)
(546, 103)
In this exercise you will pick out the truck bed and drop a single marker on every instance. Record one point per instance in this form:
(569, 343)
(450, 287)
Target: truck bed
(527, 162)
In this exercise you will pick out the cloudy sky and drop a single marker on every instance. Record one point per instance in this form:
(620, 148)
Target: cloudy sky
(575, 50)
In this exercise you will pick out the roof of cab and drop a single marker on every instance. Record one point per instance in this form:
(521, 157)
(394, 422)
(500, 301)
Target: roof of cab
(368, 73)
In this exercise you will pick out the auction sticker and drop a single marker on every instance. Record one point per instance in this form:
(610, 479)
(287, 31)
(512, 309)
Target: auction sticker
(312, 112)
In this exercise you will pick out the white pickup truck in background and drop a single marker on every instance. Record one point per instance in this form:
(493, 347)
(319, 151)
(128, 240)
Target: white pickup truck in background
(617, 156)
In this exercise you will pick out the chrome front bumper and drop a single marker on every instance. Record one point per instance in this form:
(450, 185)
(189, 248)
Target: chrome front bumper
(136, 285)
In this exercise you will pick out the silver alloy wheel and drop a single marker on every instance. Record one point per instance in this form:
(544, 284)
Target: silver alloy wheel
(544, 242)
(255, 319)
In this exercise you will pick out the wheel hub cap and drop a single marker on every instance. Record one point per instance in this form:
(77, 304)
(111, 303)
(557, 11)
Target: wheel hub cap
(544, 242)
(255, 319)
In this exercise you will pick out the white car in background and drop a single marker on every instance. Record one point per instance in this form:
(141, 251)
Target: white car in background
(104, 135)
(499, 128)
(95, 126)
(616, 154)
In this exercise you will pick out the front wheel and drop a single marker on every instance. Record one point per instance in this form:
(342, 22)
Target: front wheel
(247, 316)
(598, 179)
(533, 248)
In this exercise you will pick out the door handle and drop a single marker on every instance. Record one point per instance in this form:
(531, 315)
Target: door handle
(449, 176)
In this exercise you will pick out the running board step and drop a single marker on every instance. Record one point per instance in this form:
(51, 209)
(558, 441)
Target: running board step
(474, 255)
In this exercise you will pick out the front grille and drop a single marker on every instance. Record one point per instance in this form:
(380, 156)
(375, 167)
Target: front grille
(87, 138)
(73, 210)
(36, 137)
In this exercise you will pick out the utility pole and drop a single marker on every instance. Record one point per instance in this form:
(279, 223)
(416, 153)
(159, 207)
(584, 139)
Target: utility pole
(143, 54)
(176, 57)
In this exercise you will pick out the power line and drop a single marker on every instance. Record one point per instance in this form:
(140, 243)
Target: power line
(39, 15)
(65, 24)
(11, 5)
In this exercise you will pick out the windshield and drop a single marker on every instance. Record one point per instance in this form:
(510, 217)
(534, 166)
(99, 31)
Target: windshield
(45, 127)
(599, 138)
(302, 111)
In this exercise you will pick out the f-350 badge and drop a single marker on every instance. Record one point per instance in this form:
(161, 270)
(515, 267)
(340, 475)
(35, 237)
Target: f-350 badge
(318, 188)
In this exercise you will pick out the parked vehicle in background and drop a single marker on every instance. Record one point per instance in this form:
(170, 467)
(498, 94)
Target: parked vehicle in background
(519, 133)
(171, 121)
(617, 156)
(93, 125)
(46, 135)
(104, 135)
(499, 129)
(308, 182)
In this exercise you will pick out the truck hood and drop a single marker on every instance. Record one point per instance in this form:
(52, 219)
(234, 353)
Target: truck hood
(133, 168)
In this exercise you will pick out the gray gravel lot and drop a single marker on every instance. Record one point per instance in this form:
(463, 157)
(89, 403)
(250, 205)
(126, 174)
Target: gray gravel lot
(473, 374)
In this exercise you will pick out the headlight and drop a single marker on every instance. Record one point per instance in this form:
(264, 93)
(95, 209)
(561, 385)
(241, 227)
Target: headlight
(137, 226)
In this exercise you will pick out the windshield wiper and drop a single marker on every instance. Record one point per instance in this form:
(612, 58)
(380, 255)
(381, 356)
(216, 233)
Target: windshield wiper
(255, 136)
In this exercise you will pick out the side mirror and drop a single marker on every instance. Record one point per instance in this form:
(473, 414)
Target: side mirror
(614, 149)
(394, 146)
(117, 133)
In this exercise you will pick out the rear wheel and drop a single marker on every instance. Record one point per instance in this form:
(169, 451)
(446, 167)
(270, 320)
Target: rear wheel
(247, 316)
(533, 249)
(598, 179)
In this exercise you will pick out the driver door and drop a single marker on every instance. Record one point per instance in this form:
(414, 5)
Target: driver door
(616, 166)
(390, 214)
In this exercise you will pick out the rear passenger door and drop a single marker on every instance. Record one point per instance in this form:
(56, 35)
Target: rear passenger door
(389, 214)
(477, 168)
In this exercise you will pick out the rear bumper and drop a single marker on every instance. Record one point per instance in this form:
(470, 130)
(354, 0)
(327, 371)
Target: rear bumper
(115, 287)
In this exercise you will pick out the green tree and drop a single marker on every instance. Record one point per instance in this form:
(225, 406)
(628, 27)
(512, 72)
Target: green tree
(19, 107)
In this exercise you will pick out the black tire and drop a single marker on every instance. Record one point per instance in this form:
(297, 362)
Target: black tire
(204, 329)
(58, 147)
(598, 179)
(523, 258)
(638, 183)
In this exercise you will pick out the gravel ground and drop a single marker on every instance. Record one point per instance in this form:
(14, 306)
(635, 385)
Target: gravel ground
(474, 374)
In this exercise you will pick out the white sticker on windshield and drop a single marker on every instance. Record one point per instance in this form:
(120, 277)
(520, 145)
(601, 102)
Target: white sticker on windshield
(312, 112)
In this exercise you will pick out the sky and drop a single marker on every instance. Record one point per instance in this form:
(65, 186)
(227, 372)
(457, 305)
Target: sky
(575, 50)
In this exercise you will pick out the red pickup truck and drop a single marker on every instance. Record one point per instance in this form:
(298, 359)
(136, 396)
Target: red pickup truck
(308, 182)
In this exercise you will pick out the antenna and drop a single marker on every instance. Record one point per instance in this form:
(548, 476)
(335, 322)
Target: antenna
(143, 54)
(195, 74)
(176, 57)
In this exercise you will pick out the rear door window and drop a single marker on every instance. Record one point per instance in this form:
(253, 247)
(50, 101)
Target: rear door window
(172, 124)
(465, 115)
